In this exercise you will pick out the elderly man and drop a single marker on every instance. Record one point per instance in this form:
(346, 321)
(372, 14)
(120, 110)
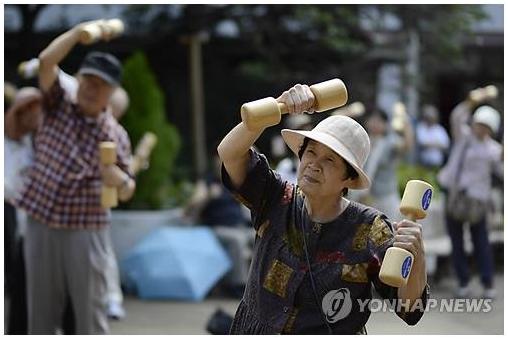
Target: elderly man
(67, 226)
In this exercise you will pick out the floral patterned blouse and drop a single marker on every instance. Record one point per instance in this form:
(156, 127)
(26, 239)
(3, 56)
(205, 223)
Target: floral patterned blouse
(345, 256)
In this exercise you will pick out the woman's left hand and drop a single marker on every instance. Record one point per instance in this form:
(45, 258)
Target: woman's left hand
(408, 235)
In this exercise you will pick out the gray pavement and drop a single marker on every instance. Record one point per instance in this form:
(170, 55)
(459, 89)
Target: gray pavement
(172, 317)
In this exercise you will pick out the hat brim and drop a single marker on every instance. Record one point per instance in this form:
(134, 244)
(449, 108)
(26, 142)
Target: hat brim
(20, 103)
(294, 139)
(104, 76)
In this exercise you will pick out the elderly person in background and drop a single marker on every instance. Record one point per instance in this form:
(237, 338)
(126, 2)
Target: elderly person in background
(67, 226)
(119, 103)
(431, 139)
(315, 249)
(22, 120)
(391, 140)
(467, 179)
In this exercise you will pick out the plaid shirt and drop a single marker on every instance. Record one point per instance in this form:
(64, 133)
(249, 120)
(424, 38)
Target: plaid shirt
(64, 186)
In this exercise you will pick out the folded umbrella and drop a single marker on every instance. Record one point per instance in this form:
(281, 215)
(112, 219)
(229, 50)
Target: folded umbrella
(175, 263)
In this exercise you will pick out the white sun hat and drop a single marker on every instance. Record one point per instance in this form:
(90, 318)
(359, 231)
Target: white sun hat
(342, 135)
(488, 116)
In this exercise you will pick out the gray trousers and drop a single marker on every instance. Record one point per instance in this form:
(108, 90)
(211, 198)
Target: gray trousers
(61, 262)
(114, 290)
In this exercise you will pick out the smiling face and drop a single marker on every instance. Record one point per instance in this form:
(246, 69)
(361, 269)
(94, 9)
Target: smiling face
(93, 94)
(322, 172)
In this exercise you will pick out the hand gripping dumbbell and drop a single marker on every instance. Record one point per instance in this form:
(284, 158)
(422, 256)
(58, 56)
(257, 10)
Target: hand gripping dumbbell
(398, 262)
(267, 112)
(92, 32)
(483, 93)
(109, 195)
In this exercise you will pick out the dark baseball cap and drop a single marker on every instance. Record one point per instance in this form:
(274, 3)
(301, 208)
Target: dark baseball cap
(103, 65)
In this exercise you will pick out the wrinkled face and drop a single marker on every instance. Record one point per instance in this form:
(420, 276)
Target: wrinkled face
(322, 171)
(93, 94)
(481, 131)
(376, 126)
(30, 116)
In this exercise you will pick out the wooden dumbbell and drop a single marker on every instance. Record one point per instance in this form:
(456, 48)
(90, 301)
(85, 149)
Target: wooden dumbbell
(109, 195)
(398, 262)
(142, 153)
(399, 117)
(483, 93)
(353, 110)
(29, 69)
(267, 112)
(92, 32)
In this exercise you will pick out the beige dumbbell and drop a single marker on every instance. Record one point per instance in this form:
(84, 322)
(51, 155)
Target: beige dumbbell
(142, 153)
(93, 31)
(399, 117)
(398, 262)
(109, 195)
(483, 93)
(353, 110)
(267, 112)
(29, 69)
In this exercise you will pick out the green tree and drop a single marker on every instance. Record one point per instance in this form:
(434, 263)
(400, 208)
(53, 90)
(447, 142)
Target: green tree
(147, 113)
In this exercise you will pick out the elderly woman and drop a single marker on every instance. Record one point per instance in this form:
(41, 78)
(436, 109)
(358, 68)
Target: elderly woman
(467, 177)
(316, 254)
(21, 120)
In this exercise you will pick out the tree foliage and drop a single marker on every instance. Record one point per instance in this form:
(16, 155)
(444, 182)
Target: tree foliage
(289, 37)
(147, 113)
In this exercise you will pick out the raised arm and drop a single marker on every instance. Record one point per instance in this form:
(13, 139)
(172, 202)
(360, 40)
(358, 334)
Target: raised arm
(234, 148)
(52, 55)
(459, 120)
(234, 151)
(58, 49)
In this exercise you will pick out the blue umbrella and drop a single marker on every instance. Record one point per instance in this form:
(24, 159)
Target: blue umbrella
(175, 263)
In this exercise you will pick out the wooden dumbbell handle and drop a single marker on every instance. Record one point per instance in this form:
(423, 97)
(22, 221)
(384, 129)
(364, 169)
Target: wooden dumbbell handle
(142, 153)
(109, 195)
(92, 32)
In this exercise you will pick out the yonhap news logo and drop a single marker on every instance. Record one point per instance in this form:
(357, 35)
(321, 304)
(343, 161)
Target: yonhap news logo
(473, 305)
(337, 305)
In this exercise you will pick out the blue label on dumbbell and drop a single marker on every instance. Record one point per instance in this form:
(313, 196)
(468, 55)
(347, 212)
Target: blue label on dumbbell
(427, 196)
(406, 267)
